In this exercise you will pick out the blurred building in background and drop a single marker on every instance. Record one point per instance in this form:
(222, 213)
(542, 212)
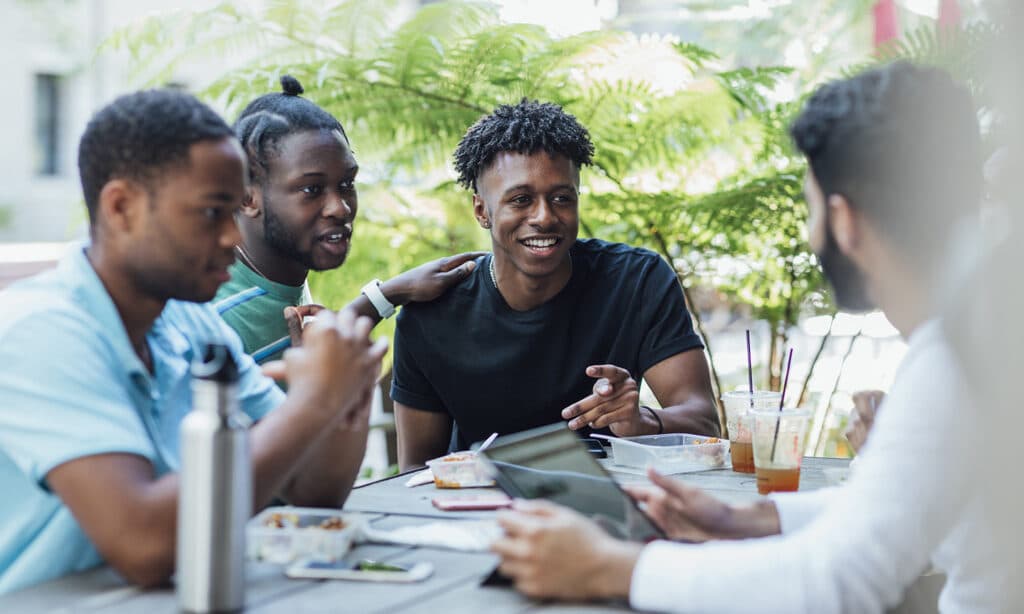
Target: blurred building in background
(54, 82)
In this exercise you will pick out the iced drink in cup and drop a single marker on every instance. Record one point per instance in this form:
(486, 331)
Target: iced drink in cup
(777, 457)
(737, 417)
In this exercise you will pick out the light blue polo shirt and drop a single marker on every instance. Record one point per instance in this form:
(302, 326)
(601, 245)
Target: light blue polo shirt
(72, 386)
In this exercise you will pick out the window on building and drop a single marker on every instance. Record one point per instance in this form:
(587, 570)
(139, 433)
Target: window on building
(47, 136)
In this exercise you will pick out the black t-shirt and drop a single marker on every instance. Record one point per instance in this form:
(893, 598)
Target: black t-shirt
(496, 369)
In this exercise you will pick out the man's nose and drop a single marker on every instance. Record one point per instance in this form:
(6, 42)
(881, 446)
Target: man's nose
(338, 206)
(543, 214)
(230, 235)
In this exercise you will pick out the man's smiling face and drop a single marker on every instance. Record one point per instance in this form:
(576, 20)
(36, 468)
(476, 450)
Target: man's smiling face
(532, 205)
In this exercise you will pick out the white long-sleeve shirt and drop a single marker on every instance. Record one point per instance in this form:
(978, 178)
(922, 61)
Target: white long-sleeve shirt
(856, 548)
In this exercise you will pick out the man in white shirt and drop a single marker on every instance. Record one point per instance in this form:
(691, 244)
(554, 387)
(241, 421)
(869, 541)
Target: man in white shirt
(894, 160)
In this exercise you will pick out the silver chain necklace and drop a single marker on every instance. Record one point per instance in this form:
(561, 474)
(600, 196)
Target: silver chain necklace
(494, 278)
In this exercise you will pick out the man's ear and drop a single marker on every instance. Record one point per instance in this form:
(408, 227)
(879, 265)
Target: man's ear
(120, 206)
(845, 223)
(252, 203)
(480, 212)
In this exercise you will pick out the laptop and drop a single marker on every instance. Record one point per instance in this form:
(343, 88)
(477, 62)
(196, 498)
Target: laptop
(551, 462)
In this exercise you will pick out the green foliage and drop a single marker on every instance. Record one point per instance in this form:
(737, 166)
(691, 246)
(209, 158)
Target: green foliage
(963, 52)
(697, 169)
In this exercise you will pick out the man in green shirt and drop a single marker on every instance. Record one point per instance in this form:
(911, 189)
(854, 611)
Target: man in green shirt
(298, 216)
(253, 305)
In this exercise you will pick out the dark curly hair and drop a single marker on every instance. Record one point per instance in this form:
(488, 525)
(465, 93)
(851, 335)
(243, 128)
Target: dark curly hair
(525, 128)
(141, 134)
(902, 144)
(269, 118)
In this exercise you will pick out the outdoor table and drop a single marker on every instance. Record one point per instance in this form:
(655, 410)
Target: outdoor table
(454, 586)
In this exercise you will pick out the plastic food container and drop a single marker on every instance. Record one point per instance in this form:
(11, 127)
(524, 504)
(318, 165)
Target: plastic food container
(284, 534)
(459, 470)
(671, 452)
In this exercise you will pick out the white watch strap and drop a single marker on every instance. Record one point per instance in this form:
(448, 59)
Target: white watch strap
(380, 302)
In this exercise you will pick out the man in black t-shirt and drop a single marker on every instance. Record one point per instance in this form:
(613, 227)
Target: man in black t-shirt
(548, 327)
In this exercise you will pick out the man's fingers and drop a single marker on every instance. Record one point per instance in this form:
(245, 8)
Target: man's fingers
(325, 318)
(612, 373)
(345, 320)
(309, 310)
(613, 410)
(588, 417)
(513, 523)
(378, 349)
(459, 273)
(508, 548)
(673, 487)
(275, 370)
(362, 327)
(453, 262)
(294, 322)
(640, 494)
(536, 507)
(582, 407)
(622, 414)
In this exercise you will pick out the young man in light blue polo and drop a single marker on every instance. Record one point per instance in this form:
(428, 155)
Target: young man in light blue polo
(95, 376)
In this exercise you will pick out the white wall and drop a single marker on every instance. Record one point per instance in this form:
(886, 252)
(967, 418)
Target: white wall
(56, 37)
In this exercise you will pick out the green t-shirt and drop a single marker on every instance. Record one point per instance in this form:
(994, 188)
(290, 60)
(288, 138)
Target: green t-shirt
(254, 306)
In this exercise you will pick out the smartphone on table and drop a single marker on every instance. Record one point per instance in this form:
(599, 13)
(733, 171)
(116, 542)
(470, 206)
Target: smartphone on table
(471, 503)
(364, 570)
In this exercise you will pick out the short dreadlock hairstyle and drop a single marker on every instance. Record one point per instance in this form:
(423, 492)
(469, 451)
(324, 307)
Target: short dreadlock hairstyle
(139, 135)
(271, 117)
(524, 128)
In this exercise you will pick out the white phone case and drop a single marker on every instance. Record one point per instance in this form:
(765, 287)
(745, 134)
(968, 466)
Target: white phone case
(316, 570)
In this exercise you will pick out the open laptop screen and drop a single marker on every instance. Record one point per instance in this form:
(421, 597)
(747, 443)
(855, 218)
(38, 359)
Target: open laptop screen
(550, 462)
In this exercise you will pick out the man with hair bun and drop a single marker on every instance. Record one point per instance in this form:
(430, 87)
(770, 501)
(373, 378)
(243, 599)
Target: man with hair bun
(548, 327)
(298, 216)
(96, 355)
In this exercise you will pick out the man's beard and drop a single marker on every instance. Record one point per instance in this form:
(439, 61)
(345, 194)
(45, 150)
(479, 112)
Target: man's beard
(280, 238)
(849, 287)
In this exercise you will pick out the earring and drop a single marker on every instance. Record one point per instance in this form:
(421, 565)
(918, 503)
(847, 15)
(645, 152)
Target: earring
(486, 224)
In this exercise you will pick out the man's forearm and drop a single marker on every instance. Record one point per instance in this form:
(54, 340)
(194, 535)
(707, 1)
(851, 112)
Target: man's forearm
(422, 435)
(134, 524)
(280, 444)
(327, 473)
(695, 415)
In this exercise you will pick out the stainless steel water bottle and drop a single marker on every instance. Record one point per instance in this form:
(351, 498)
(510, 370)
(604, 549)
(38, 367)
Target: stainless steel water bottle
(215, 498)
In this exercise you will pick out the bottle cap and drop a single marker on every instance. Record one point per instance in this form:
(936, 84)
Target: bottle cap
(217, 364)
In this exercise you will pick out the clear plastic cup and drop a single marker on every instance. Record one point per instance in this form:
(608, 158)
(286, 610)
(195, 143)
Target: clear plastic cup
(737, 418)
(779, 448)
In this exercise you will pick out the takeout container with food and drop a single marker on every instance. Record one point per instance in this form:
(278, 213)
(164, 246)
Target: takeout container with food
(284, 534)
(459, 470)
(670, 452)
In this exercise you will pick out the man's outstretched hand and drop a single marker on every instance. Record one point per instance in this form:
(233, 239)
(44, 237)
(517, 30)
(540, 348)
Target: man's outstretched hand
(614, 403)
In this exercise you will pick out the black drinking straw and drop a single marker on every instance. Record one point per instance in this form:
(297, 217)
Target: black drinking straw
(750, 371)
(782, 400)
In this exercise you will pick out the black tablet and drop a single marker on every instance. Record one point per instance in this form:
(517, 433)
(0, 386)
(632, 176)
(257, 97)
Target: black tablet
(551, 462)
